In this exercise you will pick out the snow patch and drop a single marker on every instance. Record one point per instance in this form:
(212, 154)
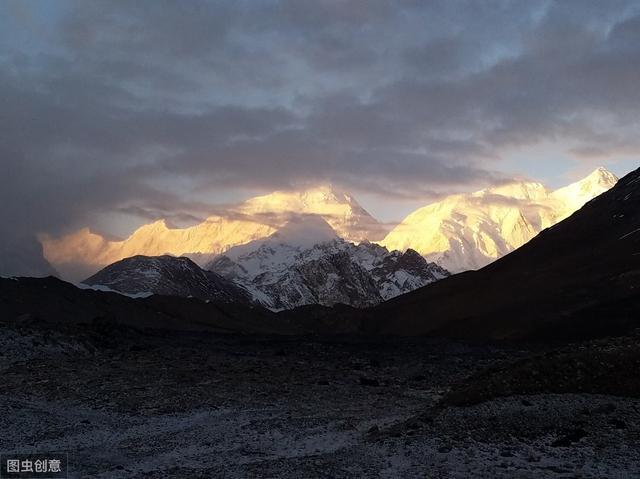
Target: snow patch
(107, 289)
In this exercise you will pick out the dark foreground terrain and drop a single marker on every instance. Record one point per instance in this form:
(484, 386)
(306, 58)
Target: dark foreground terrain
(124, 403)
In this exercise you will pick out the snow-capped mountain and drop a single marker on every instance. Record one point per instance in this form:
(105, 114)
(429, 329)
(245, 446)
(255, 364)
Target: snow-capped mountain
(343, 213)
(254, 219)
(571, 198)
(461, 232)
(577, 279)
(468, 231)
(306, 262)
(166, 275)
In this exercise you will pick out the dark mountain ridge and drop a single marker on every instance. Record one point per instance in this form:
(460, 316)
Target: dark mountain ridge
(170, 276)
(53, 301)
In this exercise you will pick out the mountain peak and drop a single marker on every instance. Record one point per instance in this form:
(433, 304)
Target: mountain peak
(156, 226)
(328, 192)
(318, 196)
(601, 176)
(343, 213)
(578, 193)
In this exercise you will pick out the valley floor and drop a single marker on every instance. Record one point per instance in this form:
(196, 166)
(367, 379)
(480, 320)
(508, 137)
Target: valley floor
(157, 405)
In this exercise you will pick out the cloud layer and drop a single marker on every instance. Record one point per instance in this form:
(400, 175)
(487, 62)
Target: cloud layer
(155, 105)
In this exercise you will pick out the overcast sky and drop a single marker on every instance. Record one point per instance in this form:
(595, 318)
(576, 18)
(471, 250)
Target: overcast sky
(115, 113)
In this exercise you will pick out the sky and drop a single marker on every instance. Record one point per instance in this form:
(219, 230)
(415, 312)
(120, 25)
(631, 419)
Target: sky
(117, 113)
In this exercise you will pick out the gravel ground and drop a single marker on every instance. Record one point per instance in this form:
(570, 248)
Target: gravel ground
(153, 405)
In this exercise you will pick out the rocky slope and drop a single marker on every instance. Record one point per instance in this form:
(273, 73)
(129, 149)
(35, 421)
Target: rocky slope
(291, 269)
(469, 231)
(167, 275)
(135, 405)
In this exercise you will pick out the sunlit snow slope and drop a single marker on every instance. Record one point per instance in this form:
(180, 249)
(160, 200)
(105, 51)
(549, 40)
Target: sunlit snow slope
(254, 219)
(469, 231)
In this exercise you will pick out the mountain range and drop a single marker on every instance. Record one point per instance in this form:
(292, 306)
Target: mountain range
(579, 278)
(460, 232)
(468, 231)
(306, 262)
(290, 268)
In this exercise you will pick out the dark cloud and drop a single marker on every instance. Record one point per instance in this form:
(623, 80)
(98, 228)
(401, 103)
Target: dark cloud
(134, 106)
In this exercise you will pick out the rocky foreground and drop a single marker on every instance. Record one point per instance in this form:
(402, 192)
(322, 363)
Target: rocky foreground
(127, 403)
